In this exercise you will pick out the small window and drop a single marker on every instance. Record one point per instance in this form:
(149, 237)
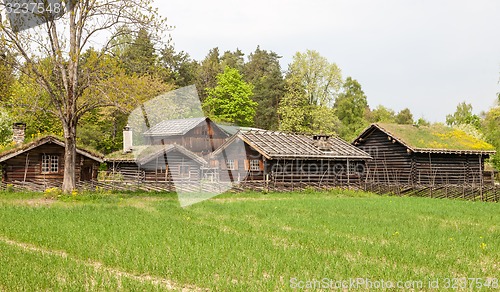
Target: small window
(50, 163)
(352, 168)
(230, 164)
(183, 169)
(254, 165)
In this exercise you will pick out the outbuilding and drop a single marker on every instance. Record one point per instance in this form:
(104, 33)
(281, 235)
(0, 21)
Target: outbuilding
(423, 155)
(259, 155)
(42, 161)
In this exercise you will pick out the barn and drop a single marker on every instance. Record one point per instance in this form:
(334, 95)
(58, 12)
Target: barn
(423, 155)
(259, 155)
(42, 161)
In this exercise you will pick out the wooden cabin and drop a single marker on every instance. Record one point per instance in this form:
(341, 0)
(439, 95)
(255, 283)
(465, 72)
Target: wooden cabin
(423, 155)
(288, 158)
(198, 135)
(156, 163)
(42, 161)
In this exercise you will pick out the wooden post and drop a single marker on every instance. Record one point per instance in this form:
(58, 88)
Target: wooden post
(481, 176)
(27, 165)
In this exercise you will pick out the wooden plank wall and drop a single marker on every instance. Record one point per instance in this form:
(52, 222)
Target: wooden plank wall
(391, 162)
(27, 166)
(331, 172)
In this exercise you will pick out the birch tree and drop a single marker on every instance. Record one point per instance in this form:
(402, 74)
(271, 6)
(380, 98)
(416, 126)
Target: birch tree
(50, 53)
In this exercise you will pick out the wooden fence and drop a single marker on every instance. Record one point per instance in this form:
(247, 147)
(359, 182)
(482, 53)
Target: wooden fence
(485, 193)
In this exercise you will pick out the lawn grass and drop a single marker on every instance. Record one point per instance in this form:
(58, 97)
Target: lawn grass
(246, 242)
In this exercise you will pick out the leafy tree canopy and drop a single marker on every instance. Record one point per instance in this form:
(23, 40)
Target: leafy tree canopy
(263, 70)
(320, 79)
(350, 107)
(463, 115)
(404, 117)
(230, 101)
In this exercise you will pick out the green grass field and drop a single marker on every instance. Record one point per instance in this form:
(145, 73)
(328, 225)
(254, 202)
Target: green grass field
(246, 242)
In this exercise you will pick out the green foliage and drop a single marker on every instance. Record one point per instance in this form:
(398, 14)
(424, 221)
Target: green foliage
(263, 70)
(230, 101)
(233, 59)
(404, 117)
(294, 109)
(423, 122)
(207, 73)
(298, 116)
(491, 129)
(463, 115)
(25, 105)
(7, 77)
(311, 86)
(5, 126)
(381, 114)
(139, 57)
(320, 79)
(350, 107)
(182, 70)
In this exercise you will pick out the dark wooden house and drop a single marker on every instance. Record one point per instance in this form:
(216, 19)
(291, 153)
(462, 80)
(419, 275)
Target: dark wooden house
(199, 135)
(423, 155)
(156, 163)
(288, 158)
(42, 161)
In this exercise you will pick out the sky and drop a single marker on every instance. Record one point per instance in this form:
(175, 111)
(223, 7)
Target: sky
(421, 54)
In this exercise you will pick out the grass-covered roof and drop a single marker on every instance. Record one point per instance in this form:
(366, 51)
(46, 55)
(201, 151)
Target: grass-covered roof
(30, 143)
(435, 137)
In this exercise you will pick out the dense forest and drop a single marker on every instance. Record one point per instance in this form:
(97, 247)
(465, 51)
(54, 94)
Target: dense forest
(309, 96)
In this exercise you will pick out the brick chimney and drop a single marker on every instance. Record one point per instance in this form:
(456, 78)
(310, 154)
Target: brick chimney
(127, 139)
(18, 133)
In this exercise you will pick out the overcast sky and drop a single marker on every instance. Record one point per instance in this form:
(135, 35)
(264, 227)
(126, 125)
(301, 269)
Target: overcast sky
(424, 55)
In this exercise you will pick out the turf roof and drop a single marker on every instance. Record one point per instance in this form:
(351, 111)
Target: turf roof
(437, 136)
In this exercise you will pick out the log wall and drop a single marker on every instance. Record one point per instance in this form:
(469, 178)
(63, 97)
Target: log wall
(27, 166)
(393, 163)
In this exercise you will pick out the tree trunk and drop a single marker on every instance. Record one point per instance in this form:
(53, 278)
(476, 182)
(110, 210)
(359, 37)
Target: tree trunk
(69, 181)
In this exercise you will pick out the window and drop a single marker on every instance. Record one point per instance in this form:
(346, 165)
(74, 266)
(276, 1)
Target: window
(254, 165)
(50, 163)
(183, 169)
(353, 168)
(230, 164)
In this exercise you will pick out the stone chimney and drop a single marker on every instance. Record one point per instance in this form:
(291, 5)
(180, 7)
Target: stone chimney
(321, 141)
(18, 133)
(127, 139)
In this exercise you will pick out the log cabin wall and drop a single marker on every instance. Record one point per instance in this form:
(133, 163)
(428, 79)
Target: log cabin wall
(177, 166)
(335, 172)
(237, 165)
(203, 139)
(327, 171)
(432, 169)
(28, 166)
(391, 162)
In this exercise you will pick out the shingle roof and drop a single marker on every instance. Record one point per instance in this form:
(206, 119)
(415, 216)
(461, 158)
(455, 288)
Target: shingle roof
(174, 127)
(431, 139)
(8, 154)
(279, 145)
